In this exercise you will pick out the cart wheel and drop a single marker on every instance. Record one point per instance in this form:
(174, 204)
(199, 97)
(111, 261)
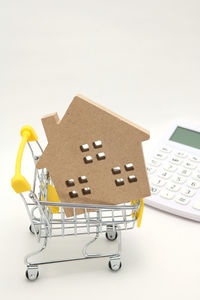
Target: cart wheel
(115, 265)
(32, 230)
(32, 274)
(111, 235)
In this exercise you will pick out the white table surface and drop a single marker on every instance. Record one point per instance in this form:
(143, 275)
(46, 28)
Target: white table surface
(141, 59)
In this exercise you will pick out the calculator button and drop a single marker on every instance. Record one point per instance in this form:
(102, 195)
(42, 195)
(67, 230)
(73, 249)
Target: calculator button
(154, 190)
(189, 165)
(178, 179)
(166, 149)
(154, 163)
(187, 192)
(157, 181)
(181, 154)
(193, 184)
(167, 194)
(194, 158)
(150, 170)
(184, 172)
(196, 176)
(170, 167)
(160, 155)
(182, 200)
(164, 174)
(175, 160)
(173, 187)
(196, 204)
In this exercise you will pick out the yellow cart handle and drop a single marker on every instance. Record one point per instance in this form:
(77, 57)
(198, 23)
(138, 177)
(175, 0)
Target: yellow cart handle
(18, 182)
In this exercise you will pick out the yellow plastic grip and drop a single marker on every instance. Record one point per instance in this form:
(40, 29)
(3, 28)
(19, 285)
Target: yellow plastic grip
(52, 196)
(139, 213)
(18, 182)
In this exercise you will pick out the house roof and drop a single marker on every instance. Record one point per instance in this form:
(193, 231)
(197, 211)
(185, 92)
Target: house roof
(143, 133)
(81, 105)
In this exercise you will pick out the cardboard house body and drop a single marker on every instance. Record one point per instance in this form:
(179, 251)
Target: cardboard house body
(94, 156)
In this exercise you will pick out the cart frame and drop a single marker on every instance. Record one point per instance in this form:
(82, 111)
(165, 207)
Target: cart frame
(48, 219)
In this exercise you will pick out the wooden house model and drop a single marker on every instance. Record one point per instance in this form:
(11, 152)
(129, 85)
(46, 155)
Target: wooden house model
(94, 155)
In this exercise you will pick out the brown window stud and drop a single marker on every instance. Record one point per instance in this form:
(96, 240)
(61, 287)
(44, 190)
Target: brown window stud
(101, 155)
(97, 144)
(70, 182)
(129, 167)
(132, 178)
(88, 159)
(84, 147)
(86, 191)
(82, 179)
(116, 170)
(73, 194)
(119, 181)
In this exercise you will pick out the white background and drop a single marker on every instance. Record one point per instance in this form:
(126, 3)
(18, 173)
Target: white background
(140, 59)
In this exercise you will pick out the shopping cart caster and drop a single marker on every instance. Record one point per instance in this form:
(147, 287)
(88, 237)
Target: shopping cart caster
(32, 273)
(111, 234)
(32, 230)
(115, 264)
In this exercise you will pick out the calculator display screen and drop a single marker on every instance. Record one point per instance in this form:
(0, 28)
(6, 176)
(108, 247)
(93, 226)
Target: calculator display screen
(186, 137)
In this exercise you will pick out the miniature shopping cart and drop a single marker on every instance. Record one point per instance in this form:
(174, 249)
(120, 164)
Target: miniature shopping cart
(48, 215)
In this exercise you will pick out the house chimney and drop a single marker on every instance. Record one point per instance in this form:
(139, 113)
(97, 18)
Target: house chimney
(50, 123)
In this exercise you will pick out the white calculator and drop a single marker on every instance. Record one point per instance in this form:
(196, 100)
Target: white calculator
(174, 172)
